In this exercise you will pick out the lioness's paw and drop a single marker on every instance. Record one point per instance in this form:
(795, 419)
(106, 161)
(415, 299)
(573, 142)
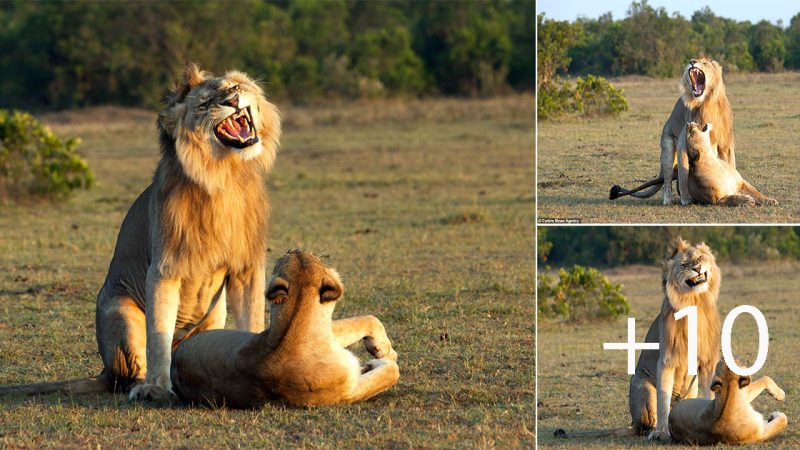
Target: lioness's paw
(770, 201)
(383, 350)
(658, 435)
(373, 364)
(151, 392)
(779, 394)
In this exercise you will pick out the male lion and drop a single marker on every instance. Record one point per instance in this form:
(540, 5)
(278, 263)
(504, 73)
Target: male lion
(690, 278)
(729, 418)
(712, 181)
(300, 359)
(702, 100)
(194, 235)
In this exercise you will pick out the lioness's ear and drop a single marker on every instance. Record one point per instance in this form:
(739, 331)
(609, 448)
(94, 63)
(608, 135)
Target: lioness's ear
(707, 128)
(330, 290)
(744, 381)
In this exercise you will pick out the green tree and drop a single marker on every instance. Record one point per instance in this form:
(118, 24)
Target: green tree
(554, 40)
(386, 55)
(767, 46)
(793, 43)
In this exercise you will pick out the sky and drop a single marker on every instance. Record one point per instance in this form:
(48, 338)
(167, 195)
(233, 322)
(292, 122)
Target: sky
(754, 11)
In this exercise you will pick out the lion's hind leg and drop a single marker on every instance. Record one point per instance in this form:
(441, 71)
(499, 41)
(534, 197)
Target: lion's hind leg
(736, 200)
(643, 405)
(121, 339)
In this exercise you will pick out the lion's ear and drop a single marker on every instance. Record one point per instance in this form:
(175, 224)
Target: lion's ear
(169, 118)
(677, 245)
(192, 75)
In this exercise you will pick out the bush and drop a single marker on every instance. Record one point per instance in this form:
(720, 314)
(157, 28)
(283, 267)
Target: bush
(595, 95)
(35, 162)
(580, 294)
(592, 95)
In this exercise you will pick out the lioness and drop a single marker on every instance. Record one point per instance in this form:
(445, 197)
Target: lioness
(193, 241)
(729, 418)
(712, 181)
(300, 359)
(702, 100)
(690, 278)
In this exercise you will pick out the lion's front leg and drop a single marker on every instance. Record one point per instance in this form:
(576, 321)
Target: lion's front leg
(683, 170)
(667, 166)
(704, 379)
(665, 380)
(370, 329)
(161, 310)
(246, 299)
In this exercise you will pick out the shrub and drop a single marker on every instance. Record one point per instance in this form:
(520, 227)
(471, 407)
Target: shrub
(595, 95)
(35, 162)
(583, 293)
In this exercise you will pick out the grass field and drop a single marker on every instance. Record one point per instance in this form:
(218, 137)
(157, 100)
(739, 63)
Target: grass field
(583, 387)
(426, 208)
(580, 159)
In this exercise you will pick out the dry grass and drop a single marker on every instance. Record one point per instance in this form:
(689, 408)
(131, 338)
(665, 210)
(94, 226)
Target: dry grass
(582, 387)
(425, 208)
(580, 159)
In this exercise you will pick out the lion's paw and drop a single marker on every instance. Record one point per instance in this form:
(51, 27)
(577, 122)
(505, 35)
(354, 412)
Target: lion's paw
(686, 201)
(151, 392)
(658, 435)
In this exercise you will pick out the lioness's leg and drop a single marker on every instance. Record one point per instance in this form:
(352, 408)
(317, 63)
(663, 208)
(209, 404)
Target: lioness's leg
(161, 311)
(121, 338)
(246, 299)
(776, 422)
(370, 329)
(760, 199)
(756, 387)
(667, 164)
(381, 375)
(736, 200)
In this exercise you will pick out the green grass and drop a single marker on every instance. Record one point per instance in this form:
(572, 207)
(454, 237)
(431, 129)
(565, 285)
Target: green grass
(426, 209)
(580, 159)
(583, 387)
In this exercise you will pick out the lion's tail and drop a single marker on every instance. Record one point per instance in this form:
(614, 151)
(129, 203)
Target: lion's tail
(614, 432)
(655, 184)
(101, 383)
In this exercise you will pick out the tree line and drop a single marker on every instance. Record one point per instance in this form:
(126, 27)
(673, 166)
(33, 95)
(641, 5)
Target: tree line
(76, 53)
(616, 246)
(650, 41)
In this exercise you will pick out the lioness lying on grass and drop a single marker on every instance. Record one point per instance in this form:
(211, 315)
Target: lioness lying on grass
(300, 359)
(729, 418)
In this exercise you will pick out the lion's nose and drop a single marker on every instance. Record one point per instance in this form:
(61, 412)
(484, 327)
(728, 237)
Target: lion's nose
(692, 62)
(232, 101)
(698, 268)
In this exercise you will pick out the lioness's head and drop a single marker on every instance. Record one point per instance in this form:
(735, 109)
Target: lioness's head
(727, 382)
(702, 79)
(698, 141)
(212, 120)
(689, 269)
(300, 281)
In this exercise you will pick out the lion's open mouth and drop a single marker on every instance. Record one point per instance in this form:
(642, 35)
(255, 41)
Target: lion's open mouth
(698, 280)
(237, 130)
(698, 80)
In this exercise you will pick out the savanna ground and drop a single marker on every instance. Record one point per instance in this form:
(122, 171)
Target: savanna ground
(583, 387)
(426, 208)
(580, 159)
